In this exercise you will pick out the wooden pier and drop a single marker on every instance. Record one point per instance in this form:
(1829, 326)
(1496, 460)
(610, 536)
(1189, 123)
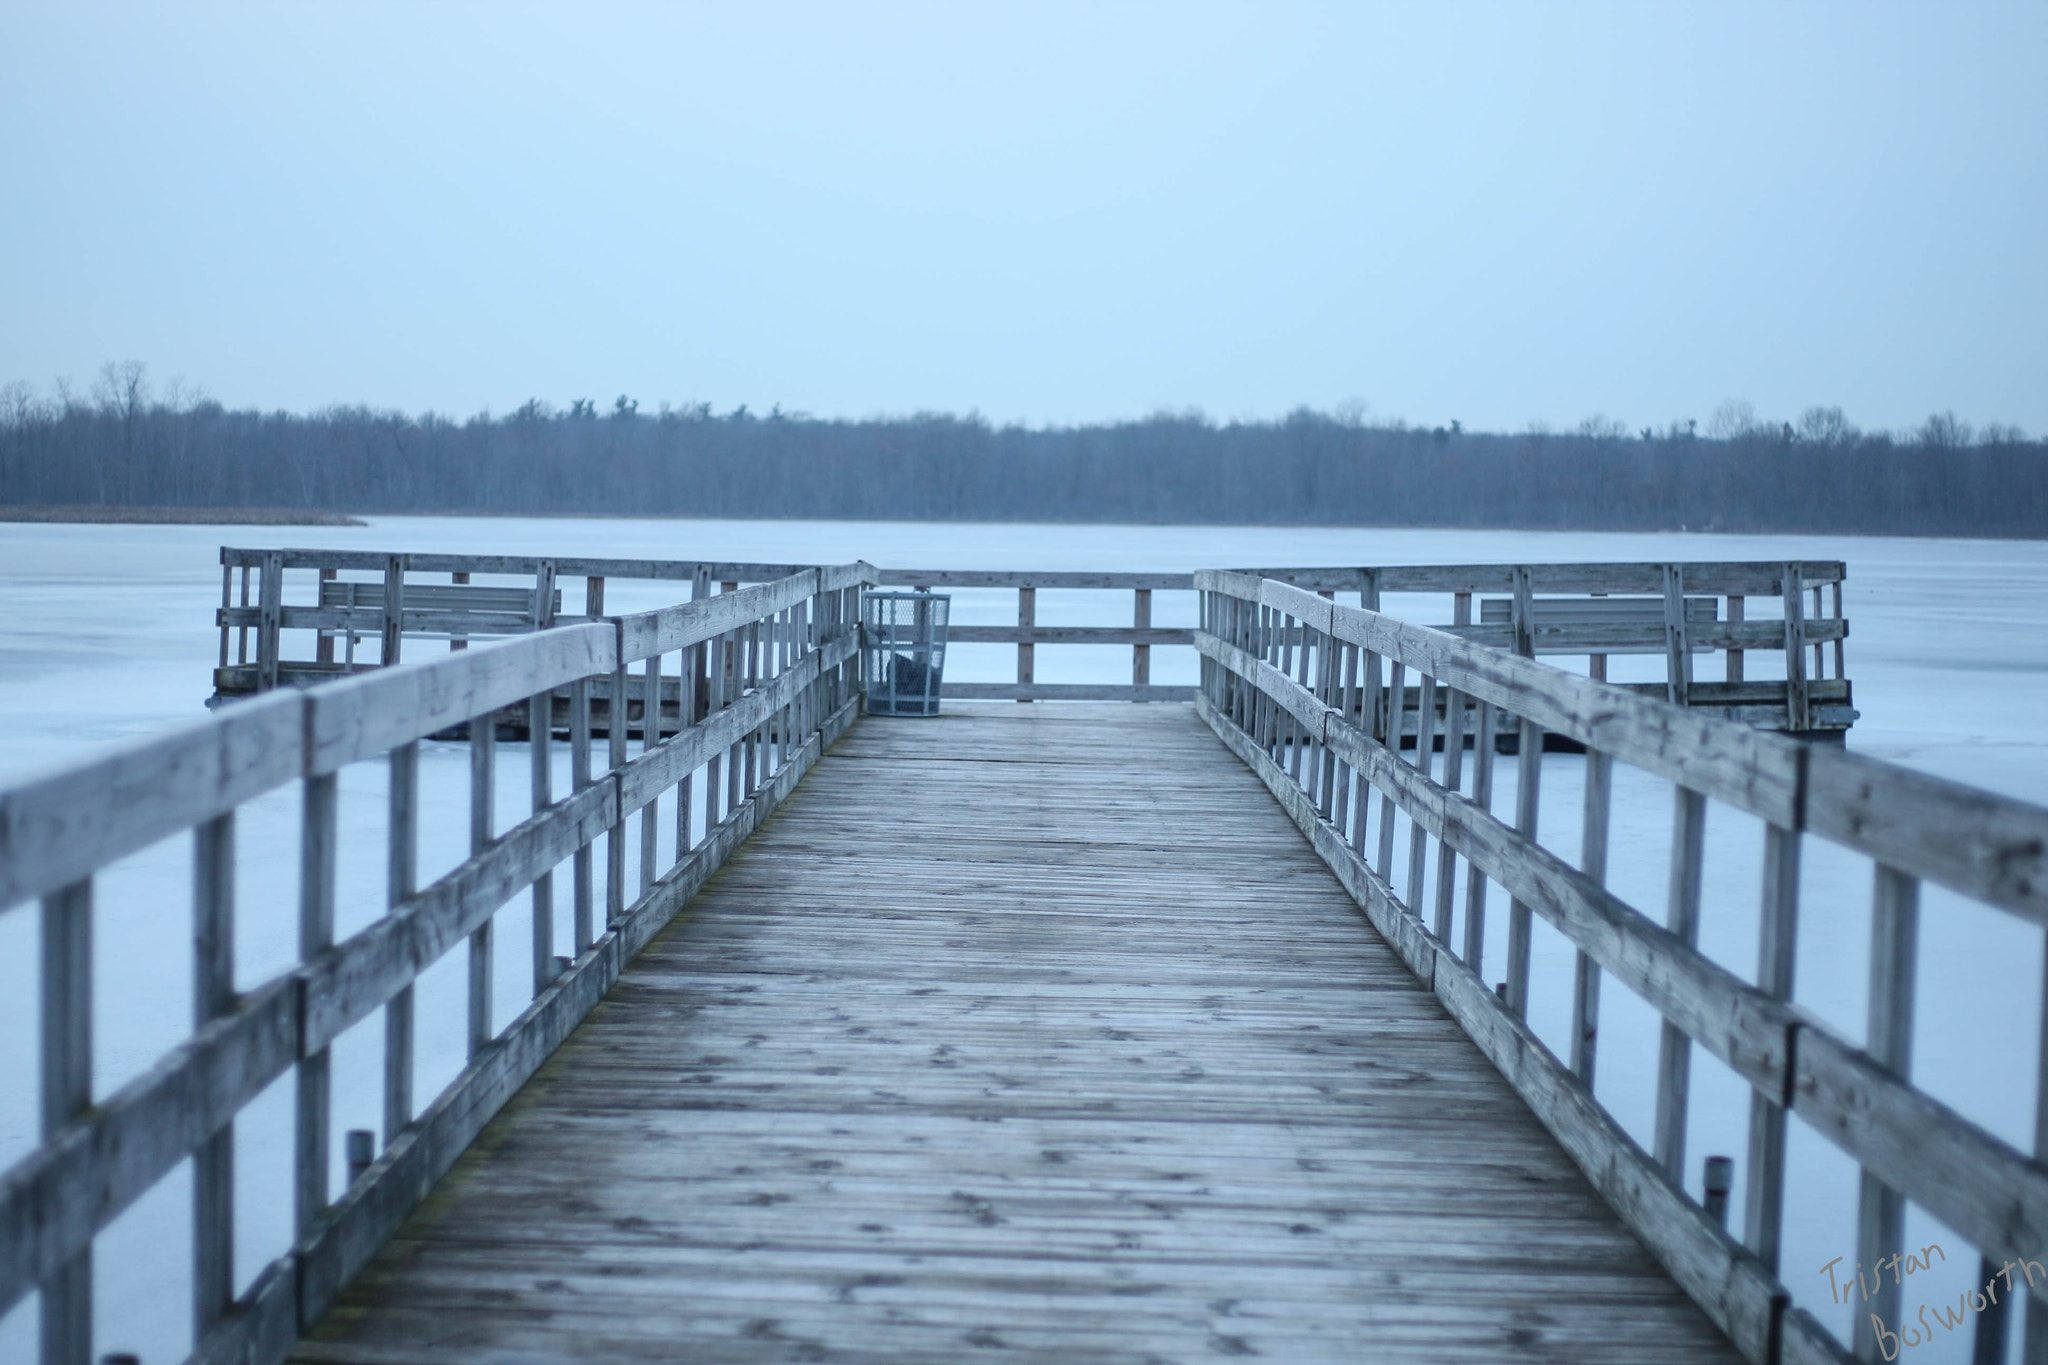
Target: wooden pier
(978, 1046)
(1100, 1031)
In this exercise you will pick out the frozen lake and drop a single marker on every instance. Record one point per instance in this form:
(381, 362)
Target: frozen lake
(108, 635)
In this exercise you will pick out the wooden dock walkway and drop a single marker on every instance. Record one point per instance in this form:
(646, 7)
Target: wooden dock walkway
(1079, 1031)
(1023, 1032)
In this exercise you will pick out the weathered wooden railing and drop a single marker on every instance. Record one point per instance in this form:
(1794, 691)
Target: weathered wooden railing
(1645, 609)
(1650, 608)
(1299, 687)
(778, 660)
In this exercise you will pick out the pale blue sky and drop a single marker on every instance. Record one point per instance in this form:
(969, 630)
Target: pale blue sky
(1494, 212)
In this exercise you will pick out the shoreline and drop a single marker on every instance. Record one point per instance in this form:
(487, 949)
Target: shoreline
(176, 516)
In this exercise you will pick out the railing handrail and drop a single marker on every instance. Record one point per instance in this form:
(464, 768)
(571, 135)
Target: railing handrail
(1323, 719)
(778, 659)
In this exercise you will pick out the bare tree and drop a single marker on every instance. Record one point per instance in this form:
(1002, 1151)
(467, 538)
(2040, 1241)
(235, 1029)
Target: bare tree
(1734, 419)
(1943, 431)
(1826, 427)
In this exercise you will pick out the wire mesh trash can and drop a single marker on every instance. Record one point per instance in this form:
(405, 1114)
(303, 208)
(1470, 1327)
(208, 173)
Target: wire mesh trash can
(904, 644)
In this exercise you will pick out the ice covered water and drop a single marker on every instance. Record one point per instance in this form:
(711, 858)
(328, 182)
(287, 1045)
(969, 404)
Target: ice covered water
(108, 635)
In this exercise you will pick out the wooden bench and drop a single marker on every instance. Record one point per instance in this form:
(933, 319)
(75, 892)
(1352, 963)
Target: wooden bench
(435, 611)
(1606, 625)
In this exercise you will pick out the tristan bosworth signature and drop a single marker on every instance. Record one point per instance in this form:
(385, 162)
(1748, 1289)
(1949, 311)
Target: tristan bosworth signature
(1890, 1343)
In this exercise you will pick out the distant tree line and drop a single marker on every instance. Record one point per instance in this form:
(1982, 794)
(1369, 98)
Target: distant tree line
(123, 443)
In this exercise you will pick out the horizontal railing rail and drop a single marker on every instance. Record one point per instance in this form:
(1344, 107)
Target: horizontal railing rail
(1303, 690)
(767, 677)
(1808, 636)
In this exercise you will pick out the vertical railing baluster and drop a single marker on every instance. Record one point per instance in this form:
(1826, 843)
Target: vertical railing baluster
(2034, 1339)
(1796, 708)
(1677, 647)
(1141, 653)
(615, 759)
(714, 767)
(756, 737)
(227, 600)
(1394, 707)
(269, 645)
(1592, 862)
(1475, 880)
(213, 997)
(1425, 759)
(1454, 776)
(1732, 666)
(318, 830)
(1346, 698)
(1369, 600)
(583, 910)
(540, 732)
(1528, 790)
(1369, 706)
(1674, 1060)
(66, 1093)
(1027, 616)
(483, 831)
(735, 687)
(1777, 938)
(401, 873)
(650, 740)
(393, 634)
(1880, 1210)
(690, 664)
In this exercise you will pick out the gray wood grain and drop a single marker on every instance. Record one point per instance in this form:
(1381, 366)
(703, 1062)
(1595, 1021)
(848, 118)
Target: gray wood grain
(960, 1055)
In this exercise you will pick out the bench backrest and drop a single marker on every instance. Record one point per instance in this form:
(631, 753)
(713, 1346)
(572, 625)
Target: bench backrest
(437, 597)
(1593, 611)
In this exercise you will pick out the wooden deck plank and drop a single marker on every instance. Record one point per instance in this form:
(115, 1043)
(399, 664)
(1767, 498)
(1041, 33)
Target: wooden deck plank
(1034, 1030)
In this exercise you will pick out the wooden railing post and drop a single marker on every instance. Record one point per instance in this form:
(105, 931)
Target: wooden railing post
(1880, 1212)
(544, 595)
(1027, 610)
(227, 600)
(1796, 713)
(458, 643)
(401, 878)
(323, 651)
(1592, 862)
(615, 746)
(1141, 654)
(1674, 1061)
(394, 609)
(483, 809)
(583, 910)
(271, 593)
(1475, 880)
(1677, 650)
(1425, 757)
(1736, 613)
(540, 723)
(318, 831)
(67, 1093)
(1454, 764)
(213, 997)
(1528, 779)
(650, 740)
(1777, 941)
(1395, 703)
